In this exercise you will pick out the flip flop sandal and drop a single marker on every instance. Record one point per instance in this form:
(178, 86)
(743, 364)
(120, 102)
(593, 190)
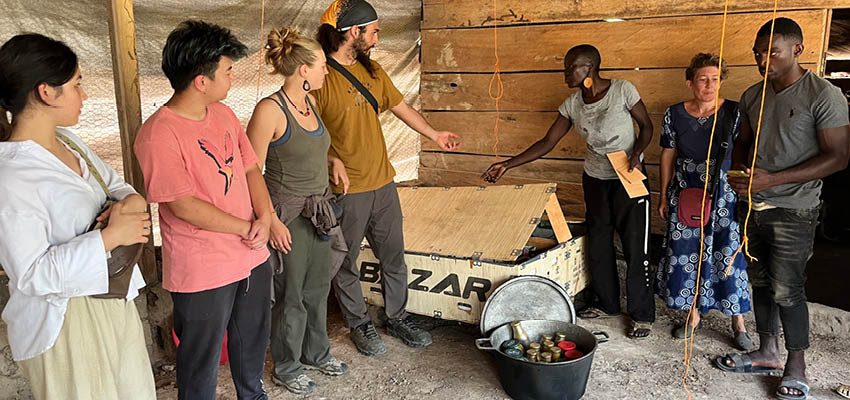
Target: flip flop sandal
(744, 365)
(640, 330)
(791, 382)
(743, 341)
(681, 332)
(594, 313)
(843, 391)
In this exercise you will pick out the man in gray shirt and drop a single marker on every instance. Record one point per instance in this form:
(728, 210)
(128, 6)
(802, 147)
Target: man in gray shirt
(804, 137)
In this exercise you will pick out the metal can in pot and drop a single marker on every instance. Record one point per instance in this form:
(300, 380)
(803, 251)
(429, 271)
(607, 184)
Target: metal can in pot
(547, 345)
(560, 337)
(513, 353)
(567, 346)
(534, 346)
(556, 353)
(532, 355)
(519, 333)
(546, 357)
(513, 344)
(545, 338)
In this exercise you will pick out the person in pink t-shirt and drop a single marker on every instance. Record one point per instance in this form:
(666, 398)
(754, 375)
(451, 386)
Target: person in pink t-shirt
(214, 214)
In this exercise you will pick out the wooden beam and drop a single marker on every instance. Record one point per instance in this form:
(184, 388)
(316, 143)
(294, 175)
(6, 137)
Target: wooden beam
(517, 131)
(478, 13)
(545, 91)
(645, 43)
(125, 69)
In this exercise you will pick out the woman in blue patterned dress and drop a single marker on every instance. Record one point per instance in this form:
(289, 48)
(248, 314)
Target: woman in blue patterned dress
(685, 133)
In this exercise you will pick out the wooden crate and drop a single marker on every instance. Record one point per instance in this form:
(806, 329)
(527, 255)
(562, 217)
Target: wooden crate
(463, 242)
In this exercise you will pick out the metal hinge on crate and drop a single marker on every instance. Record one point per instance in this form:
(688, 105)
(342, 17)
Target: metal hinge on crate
(551, 189)
(534, 221)
(438, 314)
(435, 257)
(480, 188)
(476, 258)
(518, 186)
(516, 252)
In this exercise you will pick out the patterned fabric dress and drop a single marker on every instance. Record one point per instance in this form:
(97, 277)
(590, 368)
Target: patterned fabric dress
(677, 271)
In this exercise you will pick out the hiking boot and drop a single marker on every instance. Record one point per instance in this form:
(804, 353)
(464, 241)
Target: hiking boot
(332, 367)
(409, 333)
(301, 384)
(367, 340)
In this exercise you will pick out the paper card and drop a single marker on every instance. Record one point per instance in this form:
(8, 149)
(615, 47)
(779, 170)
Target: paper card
(632, 181)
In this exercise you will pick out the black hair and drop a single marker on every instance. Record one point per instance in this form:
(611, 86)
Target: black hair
(588, 51)
(26, 62)
(331, 39)
(195, 48)
(785, 27)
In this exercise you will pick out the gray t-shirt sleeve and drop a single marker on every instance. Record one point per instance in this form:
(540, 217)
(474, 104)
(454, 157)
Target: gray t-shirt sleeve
(743, 107)
(830, 109)
(630, 94)
(565, 107)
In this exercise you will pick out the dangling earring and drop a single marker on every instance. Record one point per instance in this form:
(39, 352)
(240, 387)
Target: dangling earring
(587, 82)
(306, 86)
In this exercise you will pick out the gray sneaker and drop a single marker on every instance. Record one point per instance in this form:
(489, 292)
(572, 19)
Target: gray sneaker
(301, 384)
(332, 367)
(367, 340)
(409, 332)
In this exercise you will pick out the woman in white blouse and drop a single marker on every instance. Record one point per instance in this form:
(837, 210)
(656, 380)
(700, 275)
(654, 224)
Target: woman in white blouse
(68, 345)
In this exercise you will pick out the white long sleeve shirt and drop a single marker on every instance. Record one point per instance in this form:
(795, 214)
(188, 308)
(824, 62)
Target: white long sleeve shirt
(45, 210)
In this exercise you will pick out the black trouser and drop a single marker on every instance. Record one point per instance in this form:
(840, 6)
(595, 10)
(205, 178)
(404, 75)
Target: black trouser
(377, 216)
(610, 209)
(782, 240)
(200, 320)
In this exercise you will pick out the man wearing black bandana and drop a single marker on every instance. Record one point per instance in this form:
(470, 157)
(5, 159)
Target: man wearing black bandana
(370, 203)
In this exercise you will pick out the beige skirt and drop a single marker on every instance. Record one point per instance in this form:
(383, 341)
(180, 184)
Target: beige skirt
(100, 354)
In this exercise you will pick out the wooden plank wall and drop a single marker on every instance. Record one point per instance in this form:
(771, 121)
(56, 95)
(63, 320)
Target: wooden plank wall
(651, 47)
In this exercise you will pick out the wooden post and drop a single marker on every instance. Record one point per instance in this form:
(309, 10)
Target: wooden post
(125, 67)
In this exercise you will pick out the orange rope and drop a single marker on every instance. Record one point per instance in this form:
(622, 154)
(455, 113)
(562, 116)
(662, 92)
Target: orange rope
(689, 326)
(499, 87)
(745, 241)
(262, 47)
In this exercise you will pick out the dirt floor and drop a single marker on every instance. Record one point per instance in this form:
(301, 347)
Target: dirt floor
(452, 368)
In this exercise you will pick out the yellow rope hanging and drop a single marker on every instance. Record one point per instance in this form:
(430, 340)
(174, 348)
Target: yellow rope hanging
(262, 47)
(745, 241)
(689, 327)
(499, 87)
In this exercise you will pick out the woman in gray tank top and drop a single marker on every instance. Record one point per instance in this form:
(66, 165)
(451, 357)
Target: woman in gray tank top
(291, 141)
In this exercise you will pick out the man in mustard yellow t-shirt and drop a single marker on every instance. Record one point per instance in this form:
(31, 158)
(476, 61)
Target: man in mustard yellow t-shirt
(370, 207)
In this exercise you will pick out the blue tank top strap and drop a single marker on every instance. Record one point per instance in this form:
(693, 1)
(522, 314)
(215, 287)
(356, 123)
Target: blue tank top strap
(288, 132)
(321, 129)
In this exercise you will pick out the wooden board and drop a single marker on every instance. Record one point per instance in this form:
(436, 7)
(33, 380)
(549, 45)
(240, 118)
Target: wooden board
(488, 223)
(518, 131)
(125, 67)
(456, 289)
(545, 91)
(476, 13)
(570, 195)
(643, 43)
(565, 171)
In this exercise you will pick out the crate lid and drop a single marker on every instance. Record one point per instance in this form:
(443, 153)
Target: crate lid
(524, 298)
(488, 223)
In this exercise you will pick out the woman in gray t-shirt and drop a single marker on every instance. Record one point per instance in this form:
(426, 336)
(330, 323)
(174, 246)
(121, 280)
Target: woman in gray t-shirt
(603, 112)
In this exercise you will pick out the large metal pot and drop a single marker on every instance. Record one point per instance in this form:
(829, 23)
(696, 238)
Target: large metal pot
(525, 380)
